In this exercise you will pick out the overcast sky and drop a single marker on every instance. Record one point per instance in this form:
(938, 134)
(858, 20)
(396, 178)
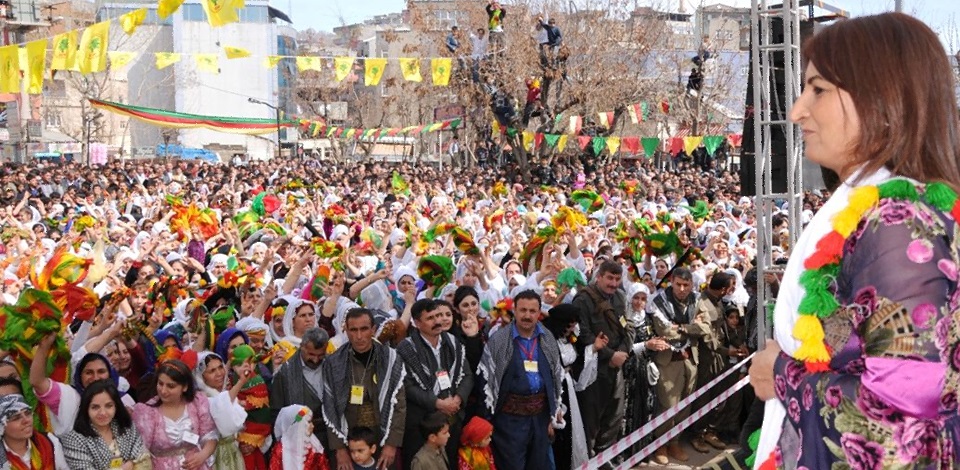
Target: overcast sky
(942, 15)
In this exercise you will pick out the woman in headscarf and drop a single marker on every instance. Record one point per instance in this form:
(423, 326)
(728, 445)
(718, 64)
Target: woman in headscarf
(299, 316)
(210, 375)
(580, 371)
(25, 448)
(298, 448)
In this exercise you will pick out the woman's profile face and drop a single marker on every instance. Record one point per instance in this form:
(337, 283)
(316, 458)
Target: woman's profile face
(829, 120)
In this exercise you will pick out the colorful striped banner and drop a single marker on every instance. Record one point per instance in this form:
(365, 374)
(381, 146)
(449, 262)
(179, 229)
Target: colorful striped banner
(173, 119)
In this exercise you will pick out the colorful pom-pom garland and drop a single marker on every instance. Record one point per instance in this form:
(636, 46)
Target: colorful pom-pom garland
(823, 266)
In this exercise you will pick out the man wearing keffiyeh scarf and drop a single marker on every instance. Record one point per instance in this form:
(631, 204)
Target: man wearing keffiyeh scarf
(436, 377)
(38, 450)
(373, 394)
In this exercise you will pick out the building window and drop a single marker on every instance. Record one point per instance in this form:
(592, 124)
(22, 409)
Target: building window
(52, 119)
(193, 12)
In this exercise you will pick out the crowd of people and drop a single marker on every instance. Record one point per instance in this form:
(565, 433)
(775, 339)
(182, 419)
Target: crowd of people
(291, 314)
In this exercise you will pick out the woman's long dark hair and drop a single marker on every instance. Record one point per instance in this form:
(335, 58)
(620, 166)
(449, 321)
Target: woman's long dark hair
(179, 373)
(82, 424)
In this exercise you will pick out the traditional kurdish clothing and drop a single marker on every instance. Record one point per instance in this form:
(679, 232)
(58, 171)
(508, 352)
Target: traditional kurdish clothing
(473, 456)
(165, 438)
(43, 452)
(93, 453)
(227, 415)
(297, 449)
(255, 399)
(869, 339)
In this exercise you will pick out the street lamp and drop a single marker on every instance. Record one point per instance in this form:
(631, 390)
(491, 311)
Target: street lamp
(275, 108)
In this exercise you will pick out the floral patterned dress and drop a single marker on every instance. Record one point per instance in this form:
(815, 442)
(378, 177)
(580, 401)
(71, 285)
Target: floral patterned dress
(890, 398)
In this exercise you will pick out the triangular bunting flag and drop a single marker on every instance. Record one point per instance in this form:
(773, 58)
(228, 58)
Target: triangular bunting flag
(676, 145)
(650, 145)
(120, 59)
(411, 69)
(583, 140)
(309, 63)
(64, 51)
(576, 123)
(495, 128)
(373, 71)
(631, 145)
(613, 144)
(441, 70)
(93, 48)
(635, 114)
(235, 52)
(598, 144)
(35, 63)
(342, 67)
(455, 123)
(207, 62)
(130, 21)
(537, 140)
(691, 142)
(712, 143)
(665, 107)
(272, 61)
(735, 139)
(351, 133)
(552, 140)
(166, 59)
(562, 143)
(528, 141)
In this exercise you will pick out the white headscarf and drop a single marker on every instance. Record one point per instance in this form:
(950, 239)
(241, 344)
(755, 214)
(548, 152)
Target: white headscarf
(402, 271)
(291, 428)
(739, 297)
(201, 368)
(289, 315)
(215, 260)
(252, 325)
(632, 290)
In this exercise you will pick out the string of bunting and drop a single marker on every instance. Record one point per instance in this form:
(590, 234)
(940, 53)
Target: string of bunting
(630, 144)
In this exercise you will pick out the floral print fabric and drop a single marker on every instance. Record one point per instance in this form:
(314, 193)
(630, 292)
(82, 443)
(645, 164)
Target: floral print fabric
(890, 399)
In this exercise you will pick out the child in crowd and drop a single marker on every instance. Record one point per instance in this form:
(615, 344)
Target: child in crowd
(432, 455)
(362, 442)
(297, 448)
(475, 452)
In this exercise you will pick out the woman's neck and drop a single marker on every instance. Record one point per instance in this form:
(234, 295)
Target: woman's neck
(104, 431)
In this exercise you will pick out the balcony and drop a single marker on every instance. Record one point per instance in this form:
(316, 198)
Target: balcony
(22, 15)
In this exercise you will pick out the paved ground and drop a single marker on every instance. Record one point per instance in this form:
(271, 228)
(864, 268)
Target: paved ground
(696, 460)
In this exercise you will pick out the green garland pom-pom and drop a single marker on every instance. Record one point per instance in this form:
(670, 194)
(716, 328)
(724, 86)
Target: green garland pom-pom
(820, 303)
(753, 441)
(898, 188)
(940, 196)
(700, 211)
(570, 278)
(241, 354)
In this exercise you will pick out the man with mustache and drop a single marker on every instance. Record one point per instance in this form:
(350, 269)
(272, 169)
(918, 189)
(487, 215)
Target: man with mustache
(522, 376)
(438, 378)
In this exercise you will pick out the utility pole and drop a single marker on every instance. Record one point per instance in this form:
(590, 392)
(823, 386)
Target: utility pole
(275, 108)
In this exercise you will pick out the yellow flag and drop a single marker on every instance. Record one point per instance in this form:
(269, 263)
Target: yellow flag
(374, 71)
(528, 140)
(9, 69)
(309, 63)
(166, 8)
(272, 61)
(342, 66)
(220, 12)
(64, 51)
(93, 48)
(690, 143)
(562, 143)
(411, 70)
(166, 59)
(441, 70)
(23, 60)
(235, 52)
(613, 144)
(207, 62)
(35, 63)
(120, 59)
(130, 21)
(494, 128)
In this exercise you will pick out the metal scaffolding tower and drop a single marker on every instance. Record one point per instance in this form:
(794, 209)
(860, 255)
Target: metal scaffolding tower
(771, 111)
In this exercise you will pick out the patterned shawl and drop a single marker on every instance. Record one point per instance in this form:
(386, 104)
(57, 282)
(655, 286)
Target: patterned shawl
(499, 353)
(336, 391)
(421, 362)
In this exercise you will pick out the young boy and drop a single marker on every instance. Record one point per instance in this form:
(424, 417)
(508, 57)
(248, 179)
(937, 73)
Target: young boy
(362, 442)
(433, 454)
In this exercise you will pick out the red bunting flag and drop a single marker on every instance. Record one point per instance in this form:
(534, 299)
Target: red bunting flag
(584, 140)
(631, 145)
(537, 140)
(665, 107)
(735, 139)
(676, 145)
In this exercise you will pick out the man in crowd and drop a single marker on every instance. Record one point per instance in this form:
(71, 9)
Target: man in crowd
(675, 320)
(522, 376)
(603, 312)
(711, 363)
(300, 380)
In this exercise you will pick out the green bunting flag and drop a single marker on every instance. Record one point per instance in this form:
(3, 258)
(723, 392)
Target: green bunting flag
(712, 143)
(552, 139)
(650, 145)
(599, 143)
